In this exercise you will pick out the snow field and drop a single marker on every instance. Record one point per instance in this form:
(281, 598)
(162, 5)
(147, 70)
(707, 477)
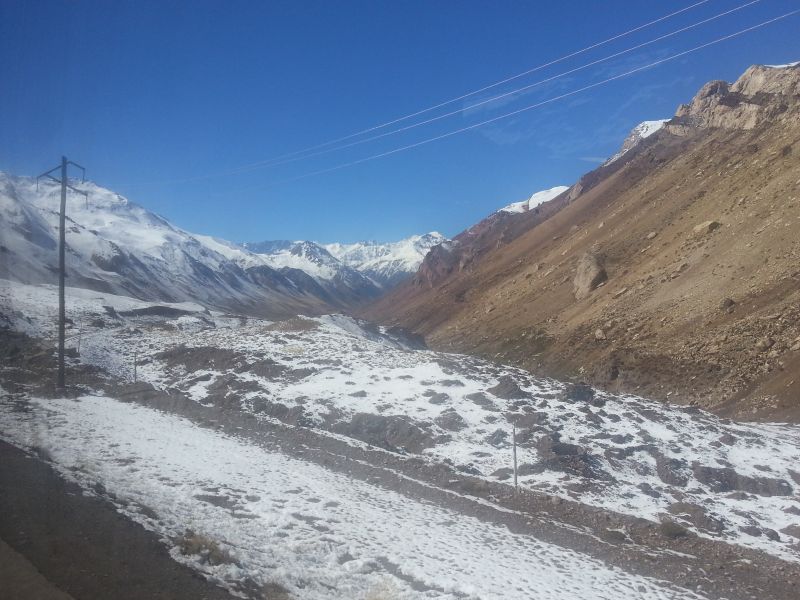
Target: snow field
(317, 533)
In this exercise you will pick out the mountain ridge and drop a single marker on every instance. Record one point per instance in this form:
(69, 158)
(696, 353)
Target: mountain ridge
(115, 245)
(383, 264)
(688, 298)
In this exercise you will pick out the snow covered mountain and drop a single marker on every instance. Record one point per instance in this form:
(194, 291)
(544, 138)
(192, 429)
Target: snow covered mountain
(366, 264)
(535, 200)
(642, 131)
(117, 246)
(387, 264)
(342, 281)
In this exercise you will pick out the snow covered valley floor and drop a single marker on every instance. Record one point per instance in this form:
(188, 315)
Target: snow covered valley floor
(317, 533)
(334, 459)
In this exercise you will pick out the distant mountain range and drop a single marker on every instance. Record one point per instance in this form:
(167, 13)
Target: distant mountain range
(383, 264)
(117, 246)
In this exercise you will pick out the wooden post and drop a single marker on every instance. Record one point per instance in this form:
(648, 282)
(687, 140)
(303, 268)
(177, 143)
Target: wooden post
(134, 365)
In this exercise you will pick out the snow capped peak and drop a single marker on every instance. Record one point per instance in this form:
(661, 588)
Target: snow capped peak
(103, 213)
(305, 256)
(382, 265)
(545, 195)
(647, 128)
(642, 131)
(118, 246)
(359, 251)
(535, 200)
(387, 264)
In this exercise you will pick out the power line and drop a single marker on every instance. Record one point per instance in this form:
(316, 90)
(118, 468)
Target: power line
(538, 104)
(269, 162)
(497, 83)
(495, 98)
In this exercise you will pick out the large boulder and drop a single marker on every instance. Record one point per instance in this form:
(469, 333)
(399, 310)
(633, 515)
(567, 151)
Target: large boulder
(706, 227)
(590, 273)
(726, 479)
(450, 420)
(394, 433)
(508, 389)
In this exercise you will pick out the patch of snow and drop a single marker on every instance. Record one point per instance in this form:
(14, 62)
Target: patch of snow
(535, 200)
(647, 128)
(642, 131)
(639, 457)
(786, 66)
(318, 533)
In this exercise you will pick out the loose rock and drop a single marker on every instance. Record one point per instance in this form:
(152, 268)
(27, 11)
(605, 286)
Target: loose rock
(590, 274)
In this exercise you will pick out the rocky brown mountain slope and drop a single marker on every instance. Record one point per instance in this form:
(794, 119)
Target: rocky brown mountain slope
(671, 272)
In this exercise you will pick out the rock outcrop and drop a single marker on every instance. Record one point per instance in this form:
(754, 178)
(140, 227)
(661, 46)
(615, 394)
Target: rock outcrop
(761, 94)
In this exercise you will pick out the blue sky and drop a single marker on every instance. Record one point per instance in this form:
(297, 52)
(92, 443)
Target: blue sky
(152, 96)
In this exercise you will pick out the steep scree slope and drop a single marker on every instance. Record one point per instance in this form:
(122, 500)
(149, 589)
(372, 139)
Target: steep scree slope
(697, 229)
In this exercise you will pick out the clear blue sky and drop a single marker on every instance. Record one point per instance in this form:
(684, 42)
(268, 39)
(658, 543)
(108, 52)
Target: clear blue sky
(145, 92)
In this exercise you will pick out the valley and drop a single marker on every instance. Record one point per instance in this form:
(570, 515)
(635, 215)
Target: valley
(590, 393)
(319, 400)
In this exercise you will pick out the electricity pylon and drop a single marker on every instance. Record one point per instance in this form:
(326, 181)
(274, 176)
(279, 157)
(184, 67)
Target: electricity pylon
(60, 381)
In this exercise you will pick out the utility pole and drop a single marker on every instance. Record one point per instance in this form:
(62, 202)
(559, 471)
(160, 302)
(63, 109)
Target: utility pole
(62, 235)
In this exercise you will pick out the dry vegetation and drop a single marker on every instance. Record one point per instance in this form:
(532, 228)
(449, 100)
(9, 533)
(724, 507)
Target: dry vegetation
(195, 544)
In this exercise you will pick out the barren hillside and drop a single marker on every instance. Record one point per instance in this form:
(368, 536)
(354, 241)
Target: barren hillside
(672, 272)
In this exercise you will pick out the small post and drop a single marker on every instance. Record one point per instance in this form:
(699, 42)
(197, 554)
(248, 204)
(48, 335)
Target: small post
(134, 365)
(80, 331)
(514, 451)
